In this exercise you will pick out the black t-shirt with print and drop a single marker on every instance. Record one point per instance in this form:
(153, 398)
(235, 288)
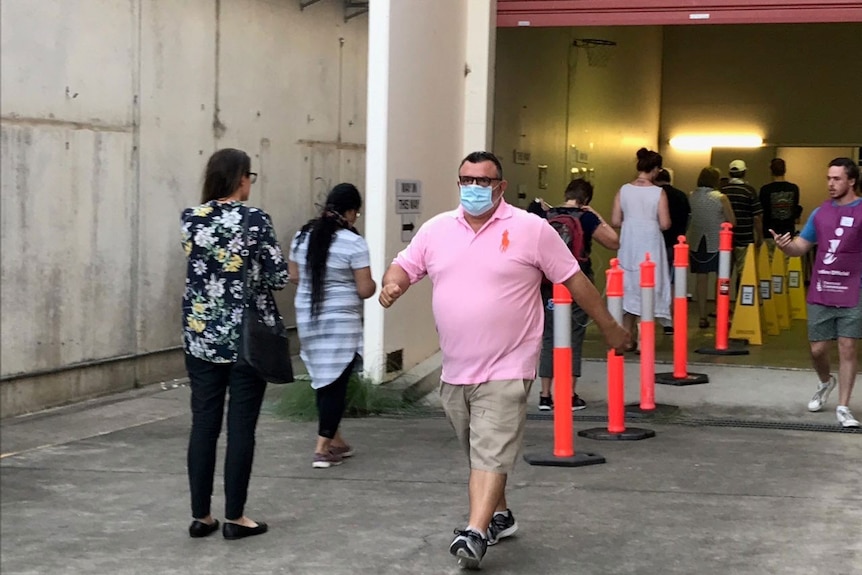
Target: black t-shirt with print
(780, 201)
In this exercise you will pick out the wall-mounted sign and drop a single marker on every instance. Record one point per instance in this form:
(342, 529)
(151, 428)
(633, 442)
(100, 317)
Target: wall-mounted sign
(408, 197)
(521, 156)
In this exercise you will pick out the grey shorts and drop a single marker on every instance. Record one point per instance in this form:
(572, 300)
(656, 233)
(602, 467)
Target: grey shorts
(489, 420)
(826, 323)
(580, 319)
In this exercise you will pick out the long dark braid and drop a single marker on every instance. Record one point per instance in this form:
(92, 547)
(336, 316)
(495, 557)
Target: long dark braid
(321, 230)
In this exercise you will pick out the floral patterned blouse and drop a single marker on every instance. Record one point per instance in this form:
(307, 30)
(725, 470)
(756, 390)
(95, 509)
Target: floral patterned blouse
(212, 237)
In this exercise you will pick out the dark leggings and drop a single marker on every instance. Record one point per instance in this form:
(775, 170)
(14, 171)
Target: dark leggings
(331, 401)
(209, 383)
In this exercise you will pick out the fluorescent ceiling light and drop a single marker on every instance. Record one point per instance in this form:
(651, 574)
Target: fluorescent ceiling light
(706, 142)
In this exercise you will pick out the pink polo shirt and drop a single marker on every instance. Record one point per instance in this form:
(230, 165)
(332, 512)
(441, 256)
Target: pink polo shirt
(485, 293)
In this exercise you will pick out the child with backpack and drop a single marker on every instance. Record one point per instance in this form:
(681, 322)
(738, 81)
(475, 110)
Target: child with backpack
(578, 224)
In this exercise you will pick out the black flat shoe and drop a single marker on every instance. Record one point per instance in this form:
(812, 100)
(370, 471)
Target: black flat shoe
(201, 529)
(237, 531)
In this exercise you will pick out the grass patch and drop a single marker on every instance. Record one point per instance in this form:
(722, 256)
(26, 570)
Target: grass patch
(297, 401)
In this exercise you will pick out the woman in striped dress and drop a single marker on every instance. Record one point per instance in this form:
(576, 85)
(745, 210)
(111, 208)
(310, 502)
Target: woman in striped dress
(330, 263)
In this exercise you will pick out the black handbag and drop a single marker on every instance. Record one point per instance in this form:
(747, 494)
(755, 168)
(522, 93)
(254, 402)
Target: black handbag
(262, 347)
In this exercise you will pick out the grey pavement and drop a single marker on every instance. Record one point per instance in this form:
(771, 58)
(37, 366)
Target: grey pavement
(100, 487)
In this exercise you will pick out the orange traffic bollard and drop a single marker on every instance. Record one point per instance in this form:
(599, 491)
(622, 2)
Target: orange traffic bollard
(563, 436)
(647, 331)
(616, 362)
(564, 447)
(722, 297)
(680, 374)
(616, 372)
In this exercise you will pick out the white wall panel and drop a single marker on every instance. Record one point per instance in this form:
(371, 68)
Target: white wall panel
(68, 60)
(93, 183)
(177, 102)
(67, 240)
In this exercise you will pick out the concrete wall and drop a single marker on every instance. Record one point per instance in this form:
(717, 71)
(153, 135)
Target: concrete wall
(550, 101)
(109, 112)
(807, 167)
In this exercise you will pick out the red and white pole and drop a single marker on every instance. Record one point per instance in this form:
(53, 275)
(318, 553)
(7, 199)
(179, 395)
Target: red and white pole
(563, 454)
(680, 375)
(647, 331)
(616, 371)
(616, 362)
(722, 296)
(680, 308)
(563, 434)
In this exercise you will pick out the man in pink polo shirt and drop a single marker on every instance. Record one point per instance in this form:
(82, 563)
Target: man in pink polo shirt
(486, 260)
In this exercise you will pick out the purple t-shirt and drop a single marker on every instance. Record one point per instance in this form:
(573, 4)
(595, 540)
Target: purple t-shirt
(835, 277)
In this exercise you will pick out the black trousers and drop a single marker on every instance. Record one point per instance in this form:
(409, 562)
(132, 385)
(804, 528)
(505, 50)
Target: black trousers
(209, 384)
(331, 400)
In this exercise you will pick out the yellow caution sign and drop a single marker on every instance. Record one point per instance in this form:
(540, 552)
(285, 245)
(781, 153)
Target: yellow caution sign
(746, 314)
(796, 289)
(764, 276)
(779, 289)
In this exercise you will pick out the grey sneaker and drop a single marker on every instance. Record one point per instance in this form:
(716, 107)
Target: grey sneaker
(344, 451)
(845, 417)
(502, 526)
(822, 394)
(326, 460)
(469, 547)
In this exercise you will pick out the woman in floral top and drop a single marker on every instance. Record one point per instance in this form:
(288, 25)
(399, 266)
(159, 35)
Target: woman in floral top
(213, 301)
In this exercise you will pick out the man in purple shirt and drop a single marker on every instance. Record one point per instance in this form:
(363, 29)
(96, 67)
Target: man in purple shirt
(835, 295)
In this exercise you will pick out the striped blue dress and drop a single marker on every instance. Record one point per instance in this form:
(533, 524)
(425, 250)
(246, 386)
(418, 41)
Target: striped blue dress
(329, 341)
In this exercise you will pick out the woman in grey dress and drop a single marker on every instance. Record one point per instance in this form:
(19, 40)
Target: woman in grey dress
(709, 209)
(330, 263)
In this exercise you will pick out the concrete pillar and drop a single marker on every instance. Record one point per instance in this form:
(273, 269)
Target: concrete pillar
(418, 94)
(479, 89)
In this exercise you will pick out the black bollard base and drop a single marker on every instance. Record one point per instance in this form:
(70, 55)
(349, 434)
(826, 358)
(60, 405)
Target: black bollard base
(689, 379)
(630, 434)
(729, 351)
(551, 460)
(661, 410)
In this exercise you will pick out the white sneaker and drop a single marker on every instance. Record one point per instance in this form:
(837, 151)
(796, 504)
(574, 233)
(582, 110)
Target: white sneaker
(822, 394)
(845, 417)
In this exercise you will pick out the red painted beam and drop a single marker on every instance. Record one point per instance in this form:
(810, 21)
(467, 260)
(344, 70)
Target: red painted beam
(546, 13)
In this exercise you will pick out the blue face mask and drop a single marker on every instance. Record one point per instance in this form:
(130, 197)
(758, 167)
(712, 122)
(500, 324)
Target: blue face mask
(476, 200)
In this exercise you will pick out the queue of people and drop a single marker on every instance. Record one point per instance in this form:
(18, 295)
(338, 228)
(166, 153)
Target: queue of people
(490, 358)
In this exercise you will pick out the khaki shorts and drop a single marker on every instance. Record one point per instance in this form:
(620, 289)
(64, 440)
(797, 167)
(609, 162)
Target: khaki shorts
(488, 419)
